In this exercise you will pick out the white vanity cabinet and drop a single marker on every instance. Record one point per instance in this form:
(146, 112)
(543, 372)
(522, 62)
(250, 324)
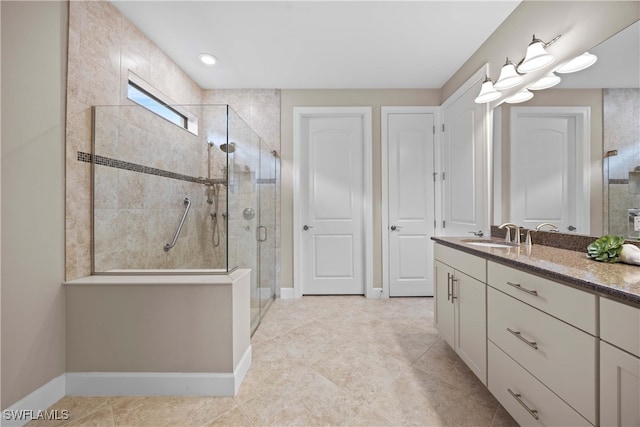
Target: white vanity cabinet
(619, 364)
(460, 305)
(542, 348)
(553, 354)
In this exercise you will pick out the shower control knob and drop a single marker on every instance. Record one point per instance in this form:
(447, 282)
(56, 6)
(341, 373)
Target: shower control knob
(306, 227)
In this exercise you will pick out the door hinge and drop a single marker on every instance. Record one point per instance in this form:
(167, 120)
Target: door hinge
(443, 176)
(435, 223)
(435, 174)
(434, 129)
(444, 224)
(443, 127)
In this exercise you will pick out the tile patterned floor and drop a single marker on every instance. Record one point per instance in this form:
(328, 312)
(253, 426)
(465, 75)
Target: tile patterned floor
(328, 360)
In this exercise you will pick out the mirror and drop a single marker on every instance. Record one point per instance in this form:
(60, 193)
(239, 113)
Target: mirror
(605, 189)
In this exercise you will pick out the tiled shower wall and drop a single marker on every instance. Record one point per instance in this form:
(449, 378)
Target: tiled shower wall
(145, 168)
(103, 47)
(261, 109)
(621, 132)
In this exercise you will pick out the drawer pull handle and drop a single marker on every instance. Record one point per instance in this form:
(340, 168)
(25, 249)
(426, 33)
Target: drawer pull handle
(531, 344)
(533, 412)
(519, 286)
(450, 280)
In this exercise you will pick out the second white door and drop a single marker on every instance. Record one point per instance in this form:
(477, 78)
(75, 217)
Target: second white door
(408, 134)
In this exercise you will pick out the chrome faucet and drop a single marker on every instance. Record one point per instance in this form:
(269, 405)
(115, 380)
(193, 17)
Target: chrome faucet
(548, 224)
(507, 237)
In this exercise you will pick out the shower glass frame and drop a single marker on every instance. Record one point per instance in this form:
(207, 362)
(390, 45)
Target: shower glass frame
(143, 167)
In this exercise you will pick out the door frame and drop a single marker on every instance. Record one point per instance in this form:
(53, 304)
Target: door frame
(300, 113)
(384, 141)
(582, 115)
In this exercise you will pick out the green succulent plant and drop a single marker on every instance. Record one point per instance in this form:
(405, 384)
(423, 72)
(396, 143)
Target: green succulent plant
(606, 248)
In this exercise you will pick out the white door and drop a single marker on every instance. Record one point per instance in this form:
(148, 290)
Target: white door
(409, 142)
(548, 182)
(332, 204)
(465, 162)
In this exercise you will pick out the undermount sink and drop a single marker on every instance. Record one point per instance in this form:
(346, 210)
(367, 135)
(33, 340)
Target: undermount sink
(489, 243)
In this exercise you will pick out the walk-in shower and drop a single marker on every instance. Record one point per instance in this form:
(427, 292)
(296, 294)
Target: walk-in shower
(621, 162)
(169, 200)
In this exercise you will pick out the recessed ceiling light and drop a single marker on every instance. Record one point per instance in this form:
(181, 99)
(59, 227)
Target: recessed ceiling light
(207, 59)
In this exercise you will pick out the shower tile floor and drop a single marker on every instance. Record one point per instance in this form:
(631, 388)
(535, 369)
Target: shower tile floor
(326, 360)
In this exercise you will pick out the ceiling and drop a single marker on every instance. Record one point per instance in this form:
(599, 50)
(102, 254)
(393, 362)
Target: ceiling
(319, 44)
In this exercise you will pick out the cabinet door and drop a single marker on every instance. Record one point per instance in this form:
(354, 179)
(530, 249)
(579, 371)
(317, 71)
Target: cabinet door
(444, 307)
(471, 319)
(619, 387)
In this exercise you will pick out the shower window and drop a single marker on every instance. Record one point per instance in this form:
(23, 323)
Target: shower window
(146, 96)
(139, 96)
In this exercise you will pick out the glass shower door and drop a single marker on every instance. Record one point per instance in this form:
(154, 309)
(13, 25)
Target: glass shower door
(243, 169)
(267, 193)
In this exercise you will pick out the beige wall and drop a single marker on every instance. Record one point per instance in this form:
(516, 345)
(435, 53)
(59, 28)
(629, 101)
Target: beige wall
(33, 107)
(374, 98)
(582, 24)
(591, 98)
(183, 327)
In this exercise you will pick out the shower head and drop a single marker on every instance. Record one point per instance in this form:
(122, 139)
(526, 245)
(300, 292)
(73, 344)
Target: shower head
(228, 148)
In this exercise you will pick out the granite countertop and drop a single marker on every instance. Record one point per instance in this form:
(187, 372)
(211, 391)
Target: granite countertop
(618, 281)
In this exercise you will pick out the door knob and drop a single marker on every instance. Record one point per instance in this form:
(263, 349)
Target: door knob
(571, 228)
(306, 227)
(395, 227)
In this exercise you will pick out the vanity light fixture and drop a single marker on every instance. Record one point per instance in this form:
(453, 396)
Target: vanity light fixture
(520, 96)
(578, 63)
(546, 82)
(207, 59)
(487, 92)
(509, 77)
(536, 57)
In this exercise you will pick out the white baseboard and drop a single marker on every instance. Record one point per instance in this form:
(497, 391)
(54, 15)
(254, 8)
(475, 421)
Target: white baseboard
(376, 293)
(242, 369)
(287, 293)
(150, 384)
(158, 383)
(35, 401)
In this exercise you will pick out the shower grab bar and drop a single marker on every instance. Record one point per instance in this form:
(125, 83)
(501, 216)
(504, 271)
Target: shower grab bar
(187, 204)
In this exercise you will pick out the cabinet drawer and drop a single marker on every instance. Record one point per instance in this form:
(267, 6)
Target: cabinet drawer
(564, 302)
(505, 374)
(620, 325)
(560, 356)
(471, 265)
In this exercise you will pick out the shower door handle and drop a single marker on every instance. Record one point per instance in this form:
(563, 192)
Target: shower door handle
(261, 227)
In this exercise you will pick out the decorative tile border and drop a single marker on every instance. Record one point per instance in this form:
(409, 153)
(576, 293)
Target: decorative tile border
(120, 164)
(618, 181)
(266, 180)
